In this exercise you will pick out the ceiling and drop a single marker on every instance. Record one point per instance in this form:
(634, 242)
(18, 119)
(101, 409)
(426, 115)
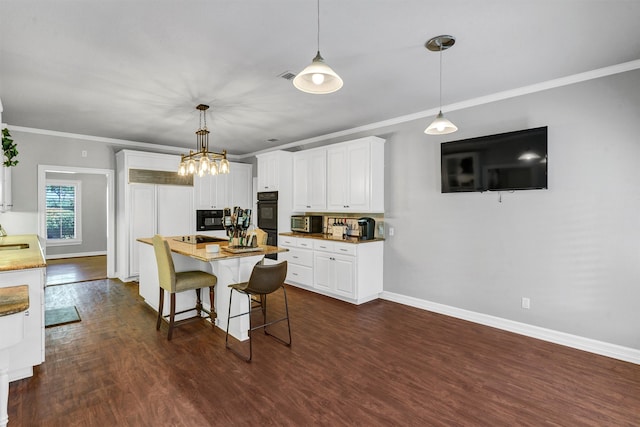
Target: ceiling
(135, 70)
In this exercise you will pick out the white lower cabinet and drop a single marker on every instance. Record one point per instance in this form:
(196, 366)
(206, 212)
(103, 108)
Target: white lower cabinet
(300, 260)
(348, 271)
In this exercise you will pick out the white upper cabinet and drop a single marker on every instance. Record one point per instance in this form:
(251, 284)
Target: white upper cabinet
(222, 191)
(211, 191)
(274, 171)
(310, 180)
(240, 187)
(355, 176)
(268, 176)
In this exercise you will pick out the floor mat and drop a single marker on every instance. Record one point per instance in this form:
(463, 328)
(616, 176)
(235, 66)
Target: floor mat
(61, 316)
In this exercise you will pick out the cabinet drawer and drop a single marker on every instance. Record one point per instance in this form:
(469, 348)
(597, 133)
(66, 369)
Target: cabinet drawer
(288, 241)
(345, 248)
(323, 245)
(299, 257)
(305, 243)
(300, 274)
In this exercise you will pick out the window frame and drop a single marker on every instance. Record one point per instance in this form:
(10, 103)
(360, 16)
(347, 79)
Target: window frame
(77, 211)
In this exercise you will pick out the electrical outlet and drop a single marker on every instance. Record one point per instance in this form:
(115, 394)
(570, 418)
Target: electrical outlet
(84, 153)
(391, 231)
(526, 303)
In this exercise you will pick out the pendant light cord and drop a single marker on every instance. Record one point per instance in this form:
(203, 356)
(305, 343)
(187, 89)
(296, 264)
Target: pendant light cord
(440, 43)
(318, 4)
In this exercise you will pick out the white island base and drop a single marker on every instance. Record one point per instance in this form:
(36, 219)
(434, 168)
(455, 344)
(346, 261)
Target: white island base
(227, 270)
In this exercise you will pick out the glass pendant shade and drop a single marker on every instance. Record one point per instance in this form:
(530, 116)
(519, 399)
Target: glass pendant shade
(214, 169)
(191, 166)
(224, 166)
(318, 78)
(182, 169)
(440, 126)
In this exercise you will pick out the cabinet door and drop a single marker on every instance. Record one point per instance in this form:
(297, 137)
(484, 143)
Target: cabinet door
(267, 173)
(220, 191)
(317, 181)
(301, 182)
(143, 220)
(174, 213)
(358, 179)
(344, 275)
(202, 191)
(240, 186)
(337, 179)
(322, 271)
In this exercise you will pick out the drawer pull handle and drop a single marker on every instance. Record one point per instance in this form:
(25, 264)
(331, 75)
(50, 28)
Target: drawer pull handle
(295, 274)
(295, 257)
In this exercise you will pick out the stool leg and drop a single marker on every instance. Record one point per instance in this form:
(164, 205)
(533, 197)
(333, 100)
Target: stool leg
(160, 309)
(172, 315)
(198, 302)
(213, 314)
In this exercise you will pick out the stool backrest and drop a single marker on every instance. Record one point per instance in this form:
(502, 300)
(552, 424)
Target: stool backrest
(166, 269)
(267, 278)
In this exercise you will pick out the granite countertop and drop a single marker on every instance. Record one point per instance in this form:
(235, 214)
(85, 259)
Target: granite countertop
(198, 251)
(14, 299)
(14, 258)
(321, 236)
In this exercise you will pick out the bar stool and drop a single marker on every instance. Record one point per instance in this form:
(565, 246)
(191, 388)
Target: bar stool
(174, 283)
(264, 280)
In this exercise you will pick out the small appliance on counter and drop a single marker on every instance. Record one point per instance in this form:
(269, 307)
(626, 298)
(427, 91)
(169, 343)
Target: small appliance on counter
(306, 223)
(367, 228)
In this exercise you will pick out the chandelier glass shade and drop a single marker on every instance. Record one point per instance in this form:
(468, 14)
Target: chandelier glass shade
(202, 161)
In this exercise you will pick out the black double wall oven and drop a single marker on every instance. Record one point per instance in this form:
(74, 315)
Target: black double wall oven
(268, 217)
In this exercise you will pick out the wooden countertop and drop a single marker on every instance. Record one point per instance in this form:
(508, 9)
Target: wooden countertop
(198, 251)
(14, 299)
(321, 236)
(21, 259)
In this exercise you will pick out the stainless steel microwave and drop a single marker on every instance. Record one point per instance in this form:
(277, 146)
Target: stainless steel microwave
(306, 223)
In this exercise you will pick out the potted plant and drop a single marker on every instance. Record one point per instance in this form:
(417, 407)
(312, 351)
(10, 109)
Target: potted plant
(9, 148)
(9, 154)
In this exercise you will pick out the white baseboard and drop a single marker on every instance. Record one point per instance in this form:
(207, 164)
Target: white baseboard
(76, 255)
(581, 343)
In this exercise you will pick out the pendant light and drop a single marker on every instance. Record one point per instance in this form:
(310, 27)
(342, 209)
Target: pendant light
(440, 126)
(203, 162)
(318, 77)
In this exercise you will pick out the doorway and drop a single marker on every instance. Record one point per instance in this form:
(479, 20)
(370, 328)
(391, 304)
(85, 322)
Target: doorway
(110, 205)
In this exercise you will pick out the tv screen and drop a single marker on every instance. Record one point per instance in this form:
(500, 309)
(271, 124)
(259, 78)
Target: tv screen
(506, 161)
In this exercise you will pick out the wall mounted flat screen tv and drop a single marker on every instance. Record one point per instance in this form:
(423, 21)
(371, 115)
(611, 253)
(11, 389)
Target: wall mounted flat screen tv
(503, 162)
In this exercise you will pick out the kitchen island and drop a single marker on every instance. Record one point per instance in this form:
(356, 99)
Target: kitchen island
(228, 267)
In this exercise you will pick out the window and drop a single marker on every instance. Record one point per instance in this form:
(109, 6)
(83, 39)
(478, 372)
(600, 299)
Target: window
(63, 212)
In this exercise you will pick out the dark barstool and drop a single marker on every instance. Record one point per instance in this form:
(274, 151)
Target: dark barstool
(173, 283)
(264, 280)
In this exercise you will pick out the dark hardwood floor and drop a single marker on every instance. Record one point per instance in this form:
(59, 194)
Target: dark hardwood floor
(380, 363)
(80, 269)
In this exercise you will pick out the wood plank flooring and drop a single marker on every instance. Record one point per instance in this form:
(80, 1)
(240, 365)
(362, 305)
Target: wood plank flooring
(80, 269)
(380, 363)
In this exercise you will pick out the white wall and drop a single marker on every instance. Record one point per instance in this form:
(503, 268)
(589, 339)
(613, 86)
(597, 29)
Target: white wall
(572, 249)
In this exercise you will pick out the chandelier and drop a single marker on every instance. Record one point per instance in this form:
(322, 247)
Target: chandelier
(203, 162)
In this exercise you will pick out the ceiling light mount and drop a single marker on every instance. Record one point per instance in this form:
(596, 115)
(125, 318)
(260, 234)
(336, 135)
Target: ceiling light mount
(203, 161)
(440, 126)
(438, 43)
